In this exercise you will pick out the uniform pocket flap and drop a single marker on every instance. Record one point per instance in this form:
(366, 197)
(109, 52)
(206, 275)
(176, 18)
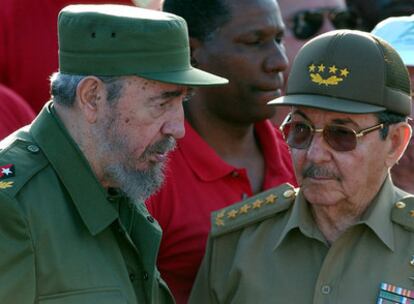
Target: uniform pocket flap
(86, 296)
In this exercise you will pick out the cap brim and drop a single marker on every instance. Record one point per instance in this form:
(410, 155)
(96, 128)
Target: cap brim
(190, 77)
(327, 103)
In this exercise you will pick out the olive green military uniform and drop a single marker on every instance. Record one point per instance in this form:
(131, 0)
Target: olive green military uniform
(63, 238)
(268, 249)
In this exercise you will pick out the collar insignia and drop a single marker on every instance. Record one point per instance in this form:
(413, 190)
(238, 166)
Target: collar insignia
(327, 75)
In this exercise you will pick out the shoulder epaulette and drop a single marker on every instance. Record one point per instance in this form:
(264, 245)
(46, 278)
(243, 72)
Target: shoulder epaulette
(403, 212)
(19, 161)
(252, 210)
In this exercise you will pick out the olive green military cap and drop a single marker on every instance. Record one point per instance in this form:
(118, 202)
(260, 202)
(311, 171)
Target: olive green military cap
(348, 71)
(118, 40)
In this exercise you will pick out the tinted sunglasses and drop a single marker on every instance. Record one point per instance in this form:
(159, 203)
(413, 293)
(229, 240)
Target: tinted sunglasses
(307, 23)
(299, 135)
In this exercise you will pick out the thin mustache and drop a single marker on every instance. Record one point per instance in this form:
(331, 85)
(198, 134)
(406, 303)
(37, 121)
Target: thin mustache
(314, 171)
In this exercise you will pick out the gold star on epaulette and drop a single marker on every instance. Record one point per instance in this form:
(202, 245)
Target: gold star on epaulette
(332, 69)
(344, 72)
(412, 213)
(271, 198)
(232, 214)
(219, 218)
(244, 209)
(257, 204)
(312, 68)
(321, 68)
(5, 185)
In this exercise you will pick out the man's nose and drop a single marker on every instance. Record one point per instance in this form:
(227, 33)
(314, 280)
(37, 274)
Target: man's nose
(174, 125)
(277, 60)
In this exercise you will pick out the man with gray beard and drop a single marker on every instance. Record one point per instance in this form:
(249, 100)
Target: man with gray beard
(74, 228)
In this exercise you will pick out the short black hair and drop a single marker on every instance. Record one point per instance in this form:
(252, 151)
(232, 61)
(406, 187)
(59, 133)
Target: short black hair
(203, 17)
(389, 118)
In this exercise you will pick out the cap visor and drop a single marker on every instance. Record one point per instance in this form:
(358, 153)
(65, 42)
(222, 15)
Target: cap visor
(326, 103)
(190, 77)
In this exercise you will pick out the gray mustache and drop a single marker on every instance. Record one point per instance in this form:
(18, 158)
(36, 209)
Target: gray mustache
(163, 146)
(315, 171)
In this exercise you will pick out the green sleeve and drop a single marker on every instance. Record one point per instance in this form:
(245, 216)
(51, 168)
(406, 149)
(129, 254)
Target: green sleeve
(17, 268)
(201, 292)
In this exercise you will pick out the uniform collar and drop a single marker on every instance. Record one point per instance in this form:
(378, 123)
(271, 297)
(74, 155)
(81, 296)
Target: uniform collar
(301, 218)
(377, 217)
(378, 214)
(73, 170)
(208, 165)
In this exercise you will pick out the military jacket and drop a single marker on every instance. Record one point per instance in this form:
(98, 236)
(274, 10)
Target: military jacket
(64, 239)
(268, 249)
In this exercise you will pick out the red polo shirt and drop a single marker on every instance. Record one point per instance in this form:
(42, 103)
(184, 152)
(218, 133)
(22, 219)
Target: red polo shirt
(198, 182)
(14, 112)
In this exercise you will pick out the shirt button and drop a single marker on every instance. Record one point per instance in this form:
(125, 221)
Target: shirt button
(145, 276)
(33, 148)
(132, 277)
(235, 174)
(150, 219)
(326, 289)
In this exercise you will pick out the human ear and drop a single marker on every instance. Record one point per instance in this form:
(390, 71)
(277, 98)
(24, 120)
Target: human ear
(195, 45)
(88, 93)
(399, 136)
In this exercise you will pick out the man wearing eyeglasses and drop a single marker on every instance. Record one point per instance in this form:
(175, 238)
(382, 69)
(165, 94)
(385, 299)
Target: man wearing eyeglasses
(346, 235)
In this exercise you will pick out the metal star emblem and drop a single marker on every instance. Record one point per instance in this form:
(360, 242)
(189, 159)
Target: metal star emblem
(271, 199)
(232, 213)
(257, 204)
(245, 208)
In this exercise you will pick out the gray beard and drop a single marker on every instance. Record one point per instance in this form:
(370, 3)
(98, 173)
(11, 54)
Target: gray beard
(137, 185)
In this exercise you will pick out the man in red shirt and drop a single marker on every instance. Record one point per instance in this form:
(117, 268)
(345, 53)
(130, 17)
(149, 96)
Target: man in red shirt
(231, 150)
(29, 46)
(14, 112)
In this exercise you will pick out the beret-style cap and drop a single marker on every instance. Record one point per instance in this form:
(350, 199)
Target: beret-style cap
(119, 40)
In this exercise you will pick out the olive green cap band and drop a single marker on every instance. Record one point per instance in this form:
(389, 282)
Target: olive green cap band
(117, 40)
(348, 71)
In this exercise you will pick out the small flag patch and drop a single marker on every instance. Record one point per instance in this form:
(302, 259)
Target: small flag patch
(6, 171)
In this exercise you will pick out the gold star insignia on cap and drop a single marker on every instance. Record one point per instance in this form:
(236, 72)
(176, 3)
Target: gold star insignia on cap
(232, 213)
(412, 213)
(257, 204)
(321, 68)
(245, 208)
(5, 185)
(271, 198)
(312, 68)
(344, 72)
(335, 76)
